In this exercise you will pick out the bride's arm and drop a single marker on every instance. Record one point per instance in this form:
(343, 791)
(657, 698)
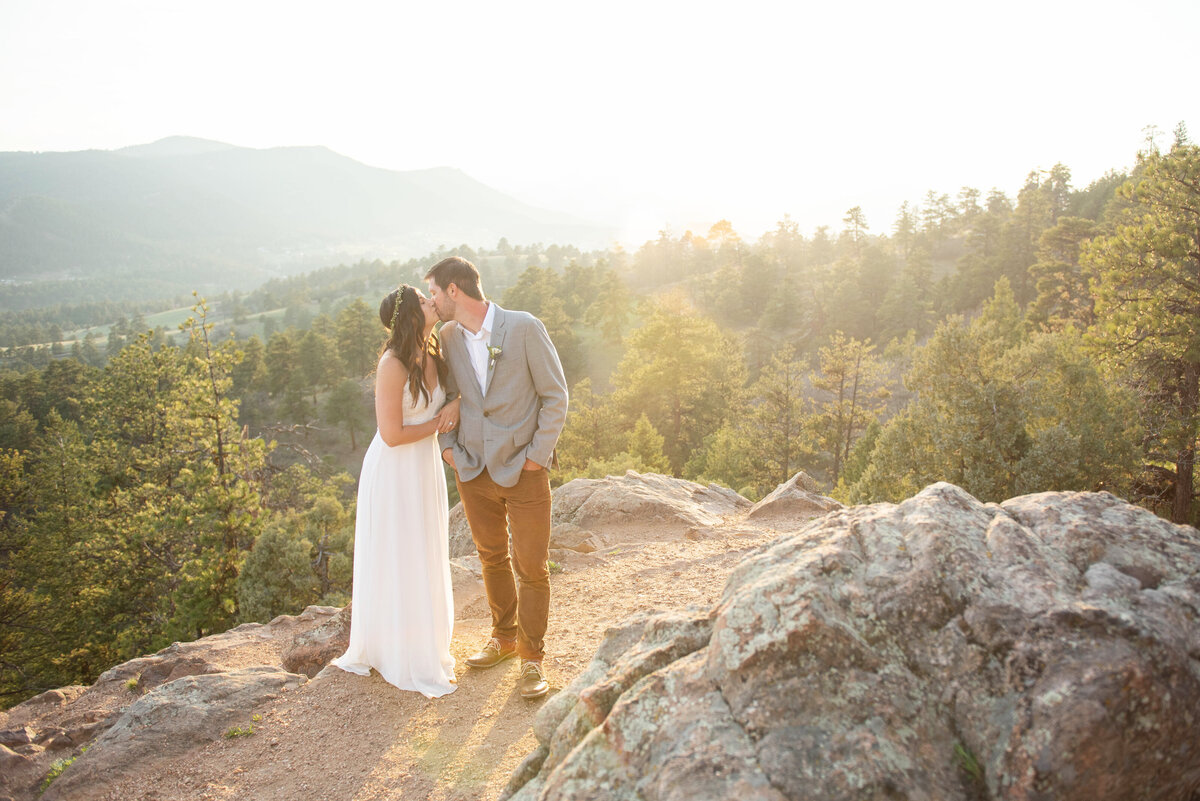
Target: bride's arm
(391, 382)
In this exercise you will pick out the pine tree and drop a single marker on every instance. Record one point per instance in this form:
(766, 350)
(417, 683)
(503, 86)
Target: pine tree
(1063, 297)
(646, 446)
(1144, 271)
(359, 337)
(345, 406)
(773, 430)
(853, 390)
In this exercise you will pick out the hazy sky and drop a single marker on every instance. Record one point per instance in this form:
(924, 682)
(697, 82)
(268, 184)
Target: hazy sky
(642, 113)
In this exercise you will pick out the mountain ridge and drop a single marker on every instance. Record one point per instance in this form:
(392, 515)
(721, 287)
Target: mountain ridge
(182, 206)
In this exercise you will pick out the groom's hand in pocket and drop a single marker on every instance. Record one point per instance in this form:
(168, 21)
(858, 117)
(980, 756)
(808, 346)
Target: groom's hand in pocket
(448, 458)
(531, 465)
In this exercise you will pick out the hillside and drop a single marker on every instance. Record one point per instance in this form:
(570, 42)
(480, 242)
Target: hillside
(184, 209)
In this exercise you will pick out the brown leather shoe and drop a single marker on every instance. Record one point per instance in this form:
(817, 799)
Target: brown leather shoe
(533, 682)
(492, 654)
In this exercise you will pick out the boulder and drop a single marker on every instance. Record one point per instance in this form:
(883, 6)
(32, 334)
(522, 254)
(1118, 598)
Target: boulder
(639, 506)
(21, 735)
(52, 699)
(795, 501)
(56, 739)
(311, 650)
(461, 543)
(168, 721)
(1047, 647)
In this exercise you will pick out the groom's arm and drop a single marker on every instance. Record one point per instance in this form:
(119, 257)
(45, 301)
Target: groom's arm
(448, 441)
(451, 383)
(551, 387)
(449, 438)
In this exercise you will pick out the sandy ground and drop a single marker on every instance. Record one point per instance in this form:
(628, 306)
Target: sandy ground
(350, 737)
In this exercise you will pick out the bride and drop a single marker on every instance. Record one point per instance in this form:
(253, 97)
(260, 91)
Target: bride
(403, 609)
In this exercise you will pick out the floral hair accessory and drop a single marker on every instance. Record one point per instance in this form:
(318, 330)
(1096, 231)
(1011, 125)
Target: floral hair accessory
(396, 307)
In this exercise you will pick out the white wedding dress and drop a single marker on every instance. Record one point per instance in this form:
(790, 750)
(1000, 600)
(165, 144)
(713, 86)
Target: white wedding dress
(403, 615)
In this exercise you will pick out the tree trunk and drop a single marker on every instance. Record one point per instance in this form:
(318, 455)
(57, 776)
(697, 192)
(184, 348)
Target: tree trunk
(1185, 462)
(1181, 511)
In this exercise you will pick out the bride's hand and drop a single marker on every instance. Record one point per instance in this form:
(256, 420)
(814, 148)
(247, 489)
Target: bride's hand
(448, 417)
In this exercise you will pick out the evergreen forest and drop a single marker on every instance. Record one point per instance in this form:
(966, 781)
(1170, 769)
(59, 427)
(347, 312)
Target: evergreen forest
(169, 470)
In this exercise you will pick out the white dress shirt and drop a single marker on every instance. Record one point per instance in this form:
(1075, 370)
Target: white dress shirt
(477, 346)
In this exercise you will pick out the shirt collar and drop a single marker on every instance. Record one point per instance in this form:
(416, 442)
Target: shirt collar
(485, 328)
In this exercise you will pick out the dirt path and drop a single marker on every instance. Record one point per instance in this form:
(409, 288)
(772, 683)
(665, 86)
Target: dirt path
(348, 737)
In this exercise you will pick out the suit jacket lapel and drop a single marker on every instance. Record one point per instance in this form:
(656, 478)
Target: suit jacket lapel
(499, 329)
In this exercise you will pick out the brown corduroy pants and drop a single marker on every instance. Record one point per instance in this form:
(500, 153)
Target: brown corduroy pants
(520, 605)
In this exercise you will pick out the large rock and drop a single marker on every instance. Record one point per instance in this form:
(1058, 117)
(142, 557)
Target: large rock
(169, 721)
(1045, 648)
(21, 735)
(640, 506)
(793, 502)
(311, 650)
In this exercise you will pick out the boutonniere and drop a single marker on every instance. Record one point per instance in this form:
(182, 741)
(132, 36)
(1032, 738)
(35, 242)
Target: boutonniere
(493, 354)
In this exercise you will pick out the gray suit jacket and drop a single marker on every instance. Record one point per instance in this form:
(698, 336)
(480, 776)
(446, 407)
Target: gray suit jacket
(526, 403)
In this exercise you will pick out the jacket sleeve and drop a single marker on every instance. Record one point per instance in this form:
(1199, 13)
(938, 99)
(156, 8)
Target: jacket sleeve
(551, 387)
(451, 383)
(450, 438)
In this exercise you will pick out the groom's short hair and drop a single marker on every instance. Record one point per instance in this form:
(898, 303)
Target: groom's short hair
(457, 270)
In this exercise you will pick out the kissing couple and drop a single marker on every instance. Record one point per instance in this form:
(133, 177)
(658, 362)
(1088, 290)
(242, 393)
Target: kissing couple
(508, 403)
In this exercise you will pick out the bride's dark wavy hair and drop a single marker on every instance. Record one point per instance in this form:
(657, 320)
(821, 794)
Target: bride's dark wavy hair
(400, 312)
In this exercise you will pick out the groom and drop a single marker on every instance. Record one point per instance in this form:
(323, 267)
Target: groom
(514, 404)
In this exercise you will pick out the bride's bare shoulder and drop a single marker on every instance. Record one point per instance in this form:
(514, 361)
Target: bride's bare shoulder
(390, 365)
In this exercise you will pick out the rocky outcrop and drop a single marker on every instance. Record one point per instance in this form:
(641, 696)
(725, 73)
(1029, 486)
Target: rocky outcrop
(217, 653)
(639, 506)
(58, 722)
(793, 502)
(1044, 648)
(170, 720)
